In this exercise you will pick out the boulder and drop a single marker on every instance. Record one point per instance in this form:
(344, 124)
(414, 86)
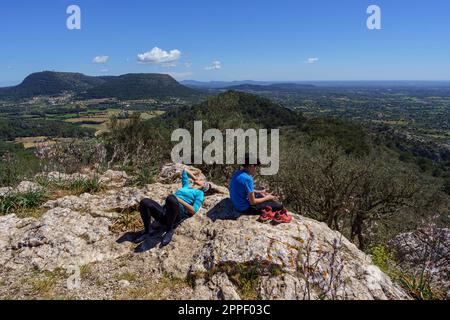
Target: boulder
(23, 187)
(60, 239)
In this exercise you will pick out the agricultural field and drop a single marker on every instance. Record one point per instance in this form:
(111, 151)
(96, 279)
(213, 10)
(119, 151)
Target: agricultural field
(40, 121)
(422, 111)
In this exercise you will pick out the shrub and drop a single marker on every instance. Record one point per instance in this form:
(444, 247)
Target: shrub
(14, 202)
(72, 157)
(351, 194)
(140, 147)
(16, 164)
(446, 187)
(383, 258)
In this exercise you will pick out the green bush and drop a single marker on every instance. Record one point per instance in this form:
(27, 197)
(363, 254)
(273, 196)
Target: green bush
(16, 164)
(446, 187)
(383, 258)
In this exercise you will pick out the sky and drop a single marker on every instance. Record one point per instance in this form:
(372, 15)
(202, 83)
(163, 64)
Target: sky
(283, 40)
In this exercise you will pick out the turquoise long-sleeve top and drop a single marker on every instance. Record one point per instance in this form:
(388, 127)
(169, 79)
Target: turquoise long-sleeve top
(189, 195)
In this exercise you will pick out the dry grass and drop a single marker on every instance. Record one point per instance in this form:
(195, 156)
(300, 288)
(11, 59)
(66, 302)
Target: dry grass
(166, 288)
(43, 283)
(128, 221)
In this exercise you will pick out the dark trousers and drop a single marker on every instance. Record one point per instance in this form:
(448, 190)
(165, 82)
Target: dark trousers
(167, 215)
(255, 210)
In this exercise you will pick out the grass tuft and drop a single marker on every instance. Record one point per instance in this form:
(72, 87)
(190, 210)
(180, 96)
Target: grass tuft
(21, 202)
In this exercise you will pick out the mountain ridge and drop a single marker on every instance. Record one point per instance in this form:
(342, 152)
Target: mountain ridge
(280, 87)
(128, 86)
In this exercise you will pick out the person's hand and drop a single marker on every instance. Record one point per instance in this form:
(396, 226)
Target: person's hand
(271, 197)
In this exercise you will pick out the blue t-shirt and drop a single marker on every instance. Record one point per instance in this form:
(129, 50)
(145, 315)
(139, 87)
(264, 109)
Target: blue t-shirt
(189, 195)
(240, 186)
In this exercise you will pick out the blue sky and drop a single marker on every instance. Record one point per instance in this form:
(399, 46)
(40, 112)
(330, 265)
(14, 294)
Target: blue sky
(247, 39)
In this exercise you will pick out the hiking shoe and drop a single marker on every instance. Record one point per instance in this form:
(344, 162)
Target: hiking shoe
(141, 238)
(167, 238)
(145, 246)
(266, 214)
(282, 217)
(156, 232)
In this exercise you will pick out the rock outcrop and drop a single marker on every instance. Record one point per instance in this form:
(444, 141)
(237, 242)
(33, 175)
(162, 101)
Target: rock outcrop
(215, 255)
(23, 187)
(425, 250)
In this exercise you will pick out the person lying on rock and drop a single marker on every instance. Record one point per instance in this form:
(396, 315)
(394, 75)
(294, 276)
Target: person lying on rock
(183, 204)
(246, 200)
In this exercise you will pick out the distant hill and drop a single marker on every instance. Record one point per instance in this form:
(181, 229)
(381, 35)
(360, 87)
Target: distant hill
(220, 84)
(50, 83)
(139, 86)
(129, 86)
(283, 87)
(245, 85)
(234, 109)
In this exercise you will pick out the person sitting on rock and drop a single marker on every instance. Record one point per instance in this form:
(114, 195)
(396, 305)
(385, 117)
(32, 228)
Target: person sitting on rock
(246, 200)
(183, 204)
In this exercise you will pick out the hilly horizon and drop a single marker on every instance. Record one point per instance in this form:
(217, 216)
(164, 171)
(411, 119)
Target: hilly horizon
(128, 86)
(280, 87)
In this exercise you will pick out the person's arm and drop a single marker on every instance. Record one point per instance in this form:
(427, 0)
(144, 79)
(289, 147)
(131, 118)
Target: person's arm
(188, 207)
(190, 174)
(184, 179)
(255, 201)
(199, 197)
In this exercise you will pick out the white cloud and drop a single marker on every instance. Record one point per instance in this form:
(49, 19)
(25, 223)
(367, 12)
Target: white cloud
(105, 70)
(216, 65)
(188, 64)
(160, 57)
(100, 59)
(312, 60)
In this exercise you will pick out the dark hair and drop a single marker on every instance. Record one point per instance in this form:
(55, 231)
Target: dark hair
(248, 161)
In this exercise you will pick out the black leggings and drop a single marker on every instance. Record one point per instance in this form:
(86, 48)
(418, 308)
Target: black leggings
(167, 215)
(255, 210)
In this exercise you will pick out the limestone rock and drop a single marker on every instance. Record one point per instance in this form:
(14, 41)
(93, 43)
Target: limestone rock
(27, 186)
(5, 191)
(115, 179)
(215, 250)
(55, 176)
(426, 249)
(23, 187)
(61, 238)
